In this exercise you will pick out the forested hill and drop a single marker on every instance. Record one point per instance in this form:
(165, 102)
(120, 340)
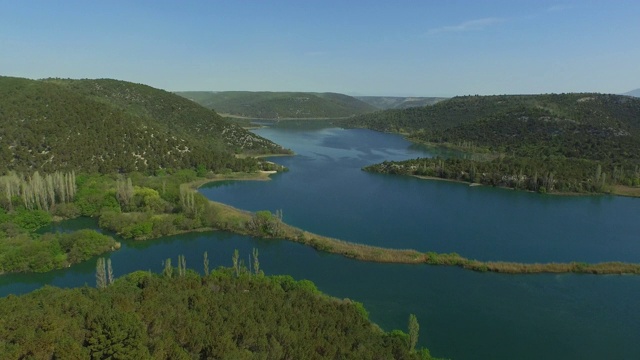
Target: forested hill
(280, 105)
(113, 126)
(557, 142)
(399, 102)
(591, 126)
(180, 315)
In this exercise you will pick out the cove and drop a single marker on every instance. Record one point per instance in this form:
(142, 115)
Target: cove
(463, 314)
(326, 192)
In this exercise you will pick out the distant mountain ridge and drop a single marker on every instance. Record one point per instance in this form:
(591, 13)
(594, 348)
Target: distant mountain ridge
(635, 93)
(113, 126)
(399, 102)
(279, 105)
(569, 143)
(586, 125)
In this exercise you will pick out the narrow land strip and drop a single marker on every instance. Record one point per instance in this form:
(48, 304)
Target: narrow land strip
(236, 220)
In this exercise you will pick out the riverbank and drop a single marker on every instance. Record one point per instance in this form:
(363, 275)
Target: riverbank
(235, 220)
(479, 154)
(617, 190)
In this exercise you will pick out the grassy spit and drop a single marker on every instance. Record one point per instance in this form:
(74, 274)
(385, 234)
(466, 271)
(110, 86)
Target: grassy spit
(235, 220)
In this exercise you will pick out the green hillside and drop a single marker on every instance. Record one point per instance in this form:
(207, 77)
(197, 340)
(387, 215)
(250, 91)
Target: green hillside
(399, 102)
(570, 136)
(228, 314)
(114, 126)
(280, 105)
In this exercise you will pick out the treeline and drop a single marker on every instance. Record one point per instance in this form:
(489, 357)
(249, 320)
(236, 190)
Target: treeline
(27, 203)
(36, 191)
(278, 105)
(536, 135)
(555, 142)
(139, 212)
(597, 127)
(601, 110)
(223, 315)
(22, 251)
(548, 175)
(397, 102)
(137, 207)
(154, 207)
(110, 126)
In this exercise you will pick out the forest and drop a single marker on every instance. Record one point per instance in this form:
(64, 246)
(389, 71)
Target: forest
(279, 105)
(155, 206)
(539, 175)
(110, 126)
(556, 142)
(228, 313)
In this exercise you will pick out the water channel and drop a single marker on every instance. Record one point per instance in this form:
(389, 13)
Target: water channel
(463, 314)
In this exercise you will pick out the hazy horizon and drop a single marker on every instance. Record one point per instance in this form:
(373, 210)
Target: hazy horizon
(400, 48)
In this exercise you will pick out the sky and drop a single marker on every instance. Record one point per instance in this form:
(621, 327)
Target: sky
(378, 48)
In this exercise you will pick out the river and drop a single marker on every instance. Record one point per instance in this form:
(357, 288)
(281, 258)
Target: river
(462, 314)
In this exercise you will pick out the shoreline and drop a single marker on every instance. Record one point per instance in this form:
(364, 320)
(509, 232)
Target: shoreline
(617, 190)
(234, 220)
(282, 119)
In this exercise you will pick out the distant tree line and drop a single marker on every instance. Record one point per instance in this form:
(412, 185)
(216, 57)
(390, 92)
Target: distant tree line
(555, 142)
(552, 175)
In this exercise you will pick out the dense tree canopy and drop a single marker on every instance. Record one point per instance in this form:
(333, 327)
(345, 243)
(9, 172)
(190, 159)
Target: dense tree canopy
(185, 316)
(114, 126)
(578, 142)
(278, 105)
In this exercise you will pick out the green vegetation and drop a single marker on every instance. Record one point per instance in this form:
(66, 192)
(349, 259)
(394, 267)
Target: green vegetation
(29, 203)
(229, 314)
(137, 207)
(279, 105)
(23, 251)
(546, 143)
(231, 219)
(110, 126)
(551, 175)
(399, 102)
(99, 128)
(143, 207)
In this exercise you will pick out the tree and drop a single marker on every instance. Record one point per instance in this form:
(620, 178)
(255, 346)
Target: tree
(414, 329)
(206, 264)
(168, 270)
(116, 334)
(235, 258)
(101, 274)
(256, 262)
(182, 265)
(124, 192)
(109, 272)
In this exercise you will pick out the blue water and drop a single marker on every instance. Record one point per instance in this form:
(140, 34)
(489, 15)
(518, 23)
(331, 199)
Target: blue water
(326, 192)
(462, 314)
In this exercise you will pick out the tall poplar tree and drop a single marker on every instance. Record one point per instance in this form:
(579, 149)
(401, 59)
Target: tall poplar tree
(414, 329)
(101, 274)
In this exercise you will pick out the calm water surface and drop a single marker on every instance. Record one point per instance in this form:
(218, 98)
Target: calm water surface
(463, 315)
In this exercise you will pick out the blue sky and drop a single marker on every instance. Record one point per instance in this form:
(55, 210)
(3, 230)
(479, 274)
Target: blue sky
(404, 48)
